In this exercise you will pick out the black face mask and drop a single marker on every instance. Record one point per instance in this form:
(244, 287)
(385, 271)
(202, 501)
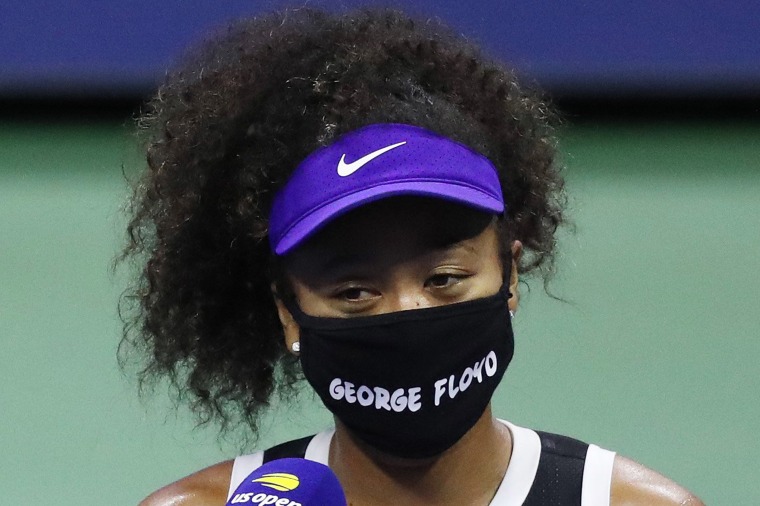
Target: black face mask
(409, 383)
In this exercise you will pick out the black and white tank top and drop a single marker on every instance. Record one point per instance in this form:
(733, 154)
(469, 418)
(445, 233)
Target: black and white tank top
(545, 469)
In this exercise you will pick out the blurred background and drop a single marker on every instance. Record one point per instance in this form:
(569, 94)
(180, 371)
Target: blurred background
(654, 355)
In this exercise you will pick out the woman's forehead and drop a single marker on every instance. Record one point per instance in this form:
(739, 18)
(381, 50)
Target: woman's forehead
(396, 225)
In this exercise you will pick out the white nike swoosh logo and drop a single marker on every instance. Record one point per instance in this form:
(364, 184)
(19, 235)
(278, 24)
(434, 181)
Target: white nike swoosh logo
(346, 169)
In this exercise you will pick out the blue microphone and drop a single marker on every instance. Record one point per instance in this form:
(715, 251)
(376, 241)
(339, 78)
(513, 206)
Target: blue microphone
(290, 482)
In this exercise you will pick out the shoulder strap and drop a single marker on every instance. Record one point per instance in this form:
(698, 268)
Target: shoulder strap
(559, 477)
(289, 449)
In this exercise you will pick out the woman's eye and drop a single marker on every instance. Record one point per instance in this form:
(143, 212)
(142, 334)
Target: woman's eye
(354, 294)
(443, 280)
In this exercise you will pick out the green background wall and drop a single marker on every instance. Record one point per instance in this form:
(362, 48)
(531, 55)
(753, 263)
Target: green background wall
(654, 355)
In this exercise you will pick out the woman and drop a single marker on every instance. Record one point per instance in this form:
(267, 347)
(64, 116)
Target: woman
(355, 197)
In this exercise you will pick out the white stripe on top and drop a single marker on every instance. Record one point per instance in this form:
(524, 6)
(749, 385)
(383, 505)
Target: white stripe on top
(597, 477)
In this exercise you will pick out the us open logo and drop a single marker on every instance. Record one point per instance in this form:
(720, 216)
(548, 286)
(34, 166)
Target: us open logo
(281, 482)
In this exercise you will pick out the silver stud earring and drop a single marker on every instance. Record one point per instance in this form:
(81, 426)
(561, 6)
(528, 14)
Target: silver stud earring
(511, 315)
(296, 347)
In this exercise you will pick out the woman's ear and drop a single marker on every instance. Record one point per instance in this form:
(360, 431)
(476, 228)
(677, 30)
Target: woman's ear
(514, 277)
(290, 328)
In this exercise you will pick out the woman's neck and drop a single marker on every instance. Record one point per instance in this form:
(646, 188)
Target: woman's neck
(467, 473)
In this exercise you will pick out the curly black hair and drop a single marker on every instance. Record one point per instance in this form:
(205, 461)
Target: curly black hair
(222, 135)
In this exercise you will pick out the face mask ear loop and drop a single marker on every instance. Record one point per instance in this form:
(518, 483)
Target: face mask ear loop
(506, 278)
(295, 310)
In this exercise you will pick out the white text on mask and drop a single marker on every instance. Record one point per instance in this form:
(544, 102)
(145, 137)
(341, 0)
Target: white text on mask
(488, 365)
(397, 401)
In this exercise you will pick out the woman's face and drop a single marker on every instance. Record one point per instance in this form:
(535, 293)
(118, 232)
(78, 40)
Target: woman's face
(397, 254)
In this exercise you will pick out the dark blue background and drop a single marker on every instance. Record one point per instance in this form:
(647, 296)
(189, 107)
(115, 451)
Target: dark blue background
(90, 47)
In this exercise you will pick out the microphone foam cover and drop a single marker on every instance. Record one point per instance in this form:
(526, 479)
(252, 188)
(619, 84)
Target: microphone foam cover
(290, 482)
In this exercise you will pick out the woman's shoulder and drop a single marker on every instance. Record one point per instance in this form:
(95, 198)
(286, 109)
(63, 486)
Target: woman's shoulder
(635, 484)
(207, 486)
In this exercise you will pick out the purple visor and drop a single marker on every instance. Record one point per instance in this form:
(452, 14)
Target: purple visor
(376, 162)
